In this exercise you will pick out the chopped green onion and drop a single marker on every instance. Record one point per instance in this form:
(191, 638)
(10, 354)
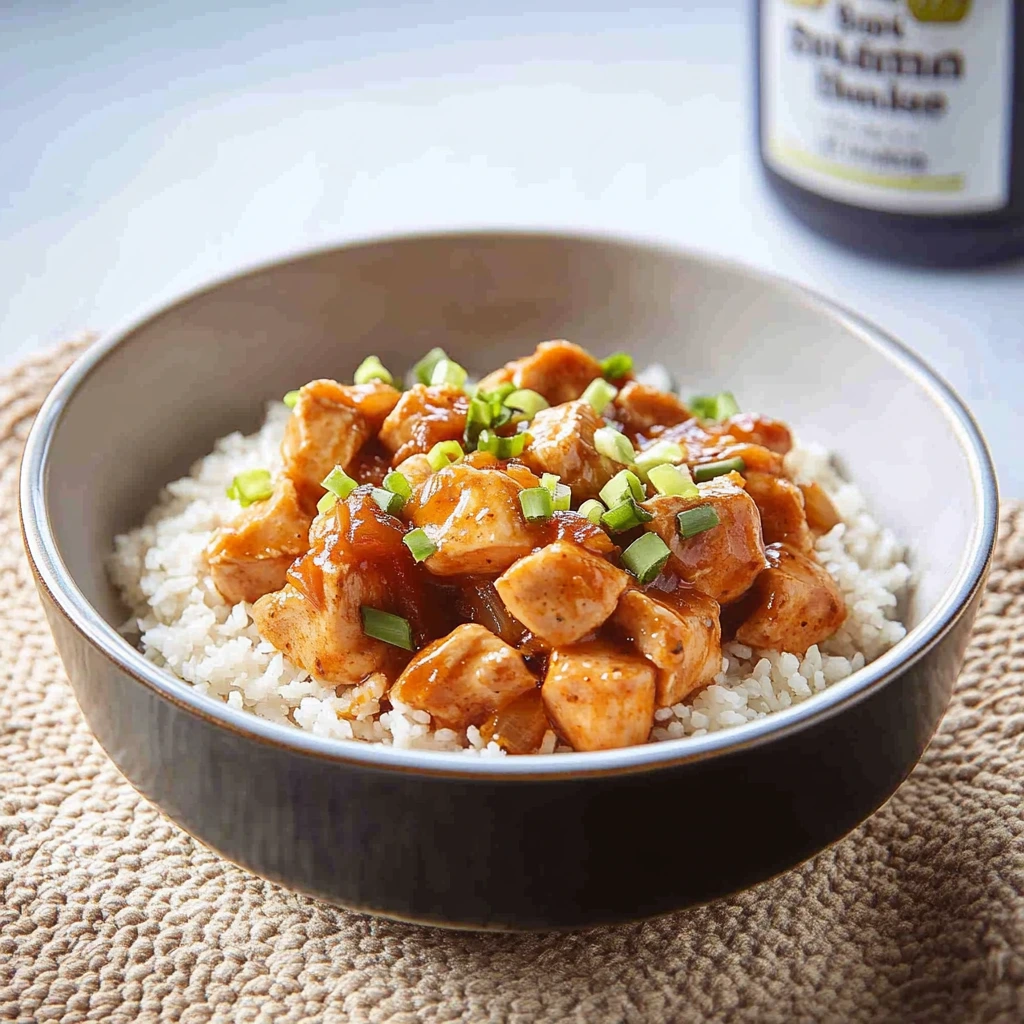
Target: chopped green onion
(714, 407)
(447, 371)
(291, 399)
(478, 418)
(526, 401)
(592, 509)
(561, 497)
(550, 481)
(371, 368)
(392, 629)
(608, 441)
(502, 447)
(339, 482)
(660, 453)
(398, 484)
(251, 486)
(444, 453)
(498, 395)
(537, 504)
(387, 500)
(712, 469)
(623, 485)
(599, 393)
(646, 557)
(326, 503)
(616, 366)
(674, 480)
(424, 369)
(625, 516)
(419, 544)
(697, 520)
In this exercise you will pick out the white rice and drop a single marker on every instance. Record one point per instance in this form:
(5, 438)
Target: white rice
(184, 625)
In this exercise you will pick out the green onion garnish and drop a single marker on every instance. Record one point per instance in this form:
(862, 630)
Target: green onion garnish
(398, 484)
(674, 480)
(528, 402)
(251, 486)
(537, 504)
(714, 407)
(326, 503)
(660, 453)
(419, 544)
(496, 396)
(646, 557)
(625, 516)
(712, 469)
(387, 500)
(291, 399)
(444, 453)
(592, 509)
(339, 482)
(502, 447)
(697, 520)
(371, 368)
(447, 371)
(550, 481)
(600, 394)
(424, 369)
(561, 497)
(617, 365)
(478, 418)
(623, 485)
(392, 629)
(608, 441)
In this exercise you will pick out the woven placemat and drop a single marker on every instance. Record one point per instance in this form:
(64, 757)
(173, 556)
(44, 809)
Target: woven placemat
(108, 912)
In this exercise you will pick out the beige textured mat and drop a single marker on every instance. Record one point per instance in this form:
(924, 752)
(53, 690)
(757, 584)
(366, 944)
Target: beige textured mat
(109, 913)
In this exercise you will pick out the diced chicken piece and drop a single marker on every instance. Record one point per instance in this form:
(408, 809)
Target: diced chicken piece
(721, 562)
(463, 678)
(793, 604)
(562, 592)
(558, 370)
(754, 456)
(748, 428)
(684, 641)
(416, 469)
(250, 557)
(423, 416)
(705, 442)
(638, 407)
(563, 443)
(599, 697)
(781, 505)
(475, 519)
(328, 426)
(821, 513)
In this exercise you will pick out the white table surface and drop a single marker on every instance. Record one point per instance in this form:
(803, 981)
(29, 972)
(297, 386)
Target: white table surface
(148, 148)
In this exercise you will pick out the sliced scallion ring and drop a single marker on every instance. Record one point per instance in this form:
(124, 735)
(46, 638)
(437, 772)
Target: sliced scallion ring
(625, 484)
(478, 418)
(674, 480)
(392, 629)
(616, 366)
(537, 504)
(660, 453)
(709, 470)
(419, 544)
(326, 503)
(398, 484)
(646, 557)
(625, 516)
(502, 447)
(291, 399)
(561, 497)
(339, 483)
(528, 402)
(251, 486)
(371, 368)
(592, 509)
(424, 369)
(444, 453)
(609, 442)
(447, 371)
(600, 394)
(714, 407)
(387, 500)
(697, 520)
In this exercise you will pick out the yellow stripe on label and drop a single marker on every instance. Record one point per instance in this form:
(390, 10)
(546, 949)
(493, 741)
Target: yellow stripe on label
(796, 157)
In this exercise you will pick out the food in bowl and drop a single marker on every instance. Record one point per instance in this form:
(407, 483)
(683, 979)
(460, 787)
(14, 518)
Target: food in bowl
(562, 556)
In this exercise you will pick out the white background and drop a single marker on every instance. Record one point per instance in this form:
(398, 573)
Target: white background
(149, 147)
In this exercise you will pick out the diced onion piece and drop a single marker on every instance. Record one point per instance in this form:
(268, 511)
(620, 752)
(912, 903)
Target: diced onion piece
(659, 454)
(444, 453)
(387, 500)
(502, 447)
(646, 557)
(674, 480)
(625, 484)
(600, 394)
(617, 366)
(339, 482)
(398, 484)
(537, 504)
(526, 401)
(424, 369)
(371, 368)
(392, 629)
(251, 486)
(625, 516)
(291, 399)
(419, 544)
(696, 520)
(592, 509)
(326, 503)
(447, 371)
(561, 497)
(709, 470)
(608, 441)
(714, 407)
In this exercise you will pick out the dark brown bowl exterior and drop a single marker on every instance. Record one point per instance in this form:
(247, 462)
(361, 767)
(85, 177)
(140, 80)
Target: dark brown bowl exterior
(567, 841)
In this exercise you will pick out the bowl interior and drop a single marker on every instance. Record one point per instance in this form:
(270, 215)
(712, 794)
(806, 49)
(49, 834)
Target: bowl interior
(204, 367)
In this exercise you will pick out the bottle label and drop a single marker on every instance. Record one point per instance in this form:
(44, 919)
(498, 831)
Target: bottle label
(901, 105)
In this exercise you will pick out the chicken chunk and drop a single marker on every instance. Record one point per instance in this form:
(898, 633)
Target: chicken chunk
(558, 370)
(328, 426)
(684, 641)
(250, 557)
(748, 428)
(781, 504)
(793, 604)
(423, 416)
(463, 678)
(416, 469)
(563, 443)
(638, 407)
(599, 697)
(475, 519)
(821, 513)
(721, 562)
(561, 592)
